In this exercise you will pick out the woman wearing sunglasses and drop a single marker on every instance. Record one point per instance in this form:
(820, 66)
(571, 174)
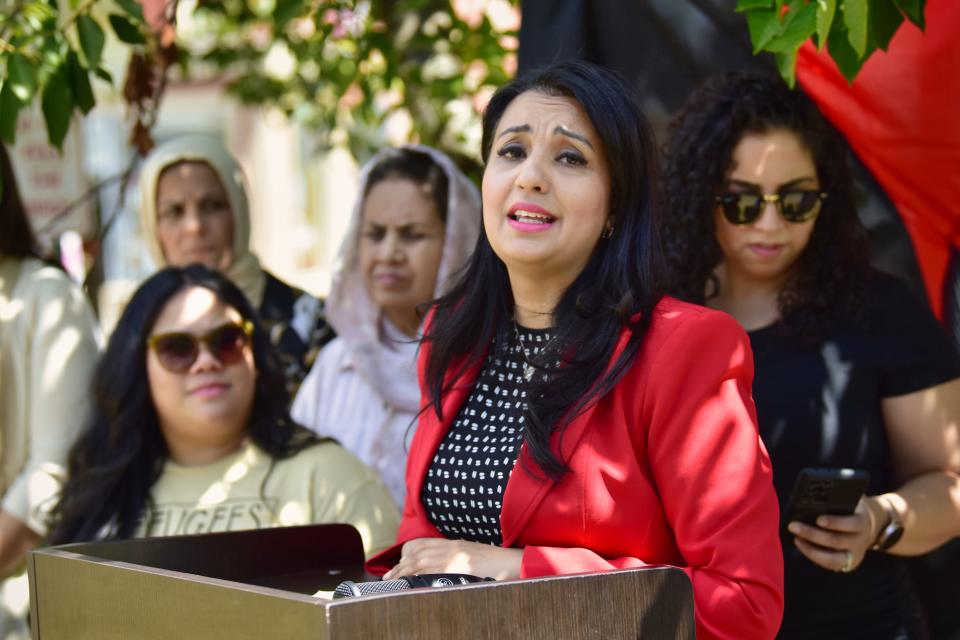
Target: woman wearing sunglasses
(190, 432)
(194, 209)
(851, 370)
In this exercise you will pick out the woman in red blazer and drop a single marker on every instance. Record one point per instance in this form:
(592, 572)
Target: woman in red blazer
(577, 420)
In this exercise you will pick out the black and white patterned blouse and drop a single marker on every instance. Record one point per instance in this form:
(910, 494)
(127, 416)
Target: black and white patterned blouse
(463, 489)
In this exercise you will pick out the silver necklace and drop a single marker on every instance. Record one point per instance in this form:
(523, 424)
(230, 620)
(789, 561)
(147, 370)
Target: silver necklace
(528, 369)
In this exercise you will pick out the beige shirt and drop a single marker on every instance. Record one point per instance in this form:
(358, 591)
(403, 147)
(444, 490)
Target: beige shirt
(49, 343)
(321, 484)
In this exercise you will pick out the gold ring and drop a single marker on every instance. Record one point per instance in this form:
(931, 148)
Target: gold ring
(848, 563)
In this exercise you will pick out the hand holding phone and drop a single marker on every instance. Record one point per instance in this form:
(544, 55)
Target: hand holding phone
(820, 492)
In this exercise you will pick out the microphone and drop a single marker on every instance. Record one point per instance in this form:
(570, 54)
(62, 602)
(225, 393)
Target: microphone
(350, 589)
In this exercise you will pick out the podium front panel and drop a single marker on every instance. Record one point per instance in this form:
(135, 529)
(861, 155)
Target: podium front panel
(258, 585)
(652, 604)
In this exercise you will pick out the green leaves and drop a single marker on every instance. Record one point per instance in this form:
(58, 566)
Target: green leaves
(885, 19)
(21, 78)
(851, 29)
(57, 105)
(913, 9)
(126, 31)
(134, 9)
(841, 50)
(855, 19)
(91, 40)
(362, 74)
(9, 109)
(40, 62)
(826, 10)
(764, 25)
(800, 24)
(79, 84)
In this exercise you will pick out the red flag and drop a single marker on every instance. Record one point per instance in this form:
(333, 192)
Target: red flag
(901, 115)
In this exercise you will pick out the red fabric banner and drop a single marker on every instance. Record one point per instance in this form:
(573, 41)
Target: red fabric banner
(901, 115)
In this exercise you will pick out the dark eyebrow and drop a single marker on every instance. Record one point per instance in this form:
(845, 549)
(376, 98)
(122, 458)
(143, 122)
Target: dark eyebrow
(408, 226)
(570, 134)
(525, 128)
(520, 128)
(785, 185)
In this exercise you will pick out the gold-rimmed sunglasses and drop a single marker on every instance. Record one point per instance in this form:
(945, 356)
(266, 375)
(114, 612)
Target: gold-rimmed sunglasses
(795, 205)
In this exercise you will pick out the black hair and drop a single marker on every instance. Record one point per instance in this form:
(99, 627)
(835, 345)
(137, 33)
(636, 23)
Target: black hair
(16, 236)
(121, 454)
(415, 166)
(617, 289)
(825, 284)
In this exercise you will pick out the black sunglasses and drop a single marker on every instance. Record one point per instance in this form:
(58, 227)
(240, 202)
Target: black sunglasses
(795, 205)
(177, 351)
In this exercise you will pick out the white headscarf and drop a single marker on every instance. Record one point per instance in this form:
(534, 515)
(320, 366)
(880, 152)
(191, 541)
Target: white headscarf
(391, 368)
(245, 270)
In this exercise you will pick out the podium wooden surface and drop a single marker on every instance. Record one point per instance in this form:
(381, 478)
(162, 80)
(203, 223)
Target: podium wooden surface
(259, 585)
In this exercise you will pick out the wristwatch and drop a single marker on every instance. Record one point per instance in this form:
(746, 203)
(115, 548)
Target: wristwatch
(892, 532)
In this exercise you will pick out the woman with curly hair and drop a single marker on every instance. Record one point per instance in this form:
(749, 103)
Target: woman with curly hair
(851, 370)
(189, 431)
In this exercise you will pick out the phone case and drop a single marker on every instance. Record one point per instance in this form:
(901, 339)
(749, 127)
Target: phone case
(826, 492)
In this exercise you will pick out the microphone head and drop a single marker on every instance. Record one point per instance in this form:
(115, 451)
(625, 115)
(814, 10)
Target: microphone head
(350, 589)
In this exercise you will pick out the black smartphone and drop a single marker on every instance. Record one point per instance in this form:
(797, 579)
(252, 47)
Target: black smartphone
(820, 492)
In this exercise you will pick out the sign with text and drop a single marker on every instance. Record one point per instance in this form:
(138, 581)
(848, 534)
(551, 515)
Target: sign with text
(49, 181)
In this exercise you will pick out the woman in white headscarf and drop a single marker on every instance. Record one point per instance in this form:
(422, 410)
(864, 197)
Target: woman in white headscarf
(194, 209)
(413, 226)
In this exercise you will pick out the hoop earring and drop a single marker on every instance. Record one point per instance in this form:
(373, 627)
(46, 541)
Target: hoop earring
(607, 231)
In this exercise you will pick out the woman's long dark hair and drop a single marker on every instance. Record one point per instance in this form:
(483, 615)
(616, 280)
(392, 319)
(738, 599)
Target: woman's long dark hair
(617, 289)
(121, 454)
(16, 236)
(825, 284)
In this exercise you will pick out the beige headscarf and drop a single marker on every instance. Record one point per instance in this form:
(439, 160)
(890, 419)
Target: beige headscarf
(245, 270)
(391, 368)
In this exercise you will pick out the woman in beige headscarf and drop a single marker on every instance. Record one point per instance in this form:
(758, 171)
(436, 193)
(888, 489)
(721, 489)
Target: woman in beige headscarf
(414, 225)
(194, 209)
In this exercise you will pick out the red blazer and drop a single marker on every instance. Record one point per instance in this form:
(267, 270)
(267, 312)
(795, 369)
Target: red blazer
(666, 469)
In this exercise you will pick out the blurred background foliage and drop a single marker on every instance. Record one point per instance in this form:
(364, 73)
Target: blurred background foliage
(358, 72)
(384, 71)
(52, 53)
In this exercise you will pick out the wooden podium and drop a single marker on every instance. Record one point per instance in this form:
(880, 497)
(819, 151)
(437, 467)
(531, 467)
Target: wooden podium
(260, 585)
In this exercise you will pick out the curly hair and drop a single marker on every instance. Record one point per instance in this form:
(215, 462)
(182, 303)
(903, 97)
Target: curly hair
(823, 288)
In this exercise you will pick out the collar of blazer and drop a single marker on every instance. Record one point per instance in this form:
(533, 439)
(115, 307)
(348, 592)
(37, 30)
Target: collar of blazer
(527, 485)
